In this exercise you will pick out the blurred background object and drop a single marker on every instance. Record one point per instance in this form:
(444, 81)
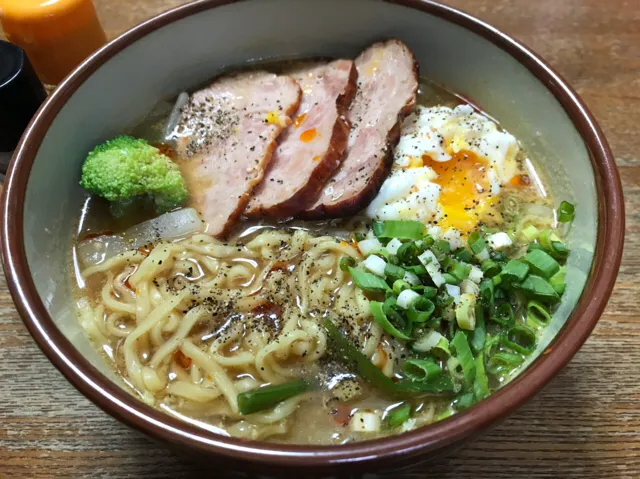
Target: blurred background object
(21, 93)
(57, 35)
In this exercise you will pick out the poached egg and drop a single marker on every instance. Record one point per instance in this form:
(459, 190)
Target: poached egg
(448, 169)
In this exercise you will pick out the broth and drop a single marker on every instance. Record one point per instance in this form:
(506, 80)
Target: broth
(255, 306)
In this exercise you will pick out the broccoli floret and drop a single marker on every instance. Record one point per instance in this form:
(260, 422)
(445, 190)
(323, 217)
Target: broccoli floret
(125, 168)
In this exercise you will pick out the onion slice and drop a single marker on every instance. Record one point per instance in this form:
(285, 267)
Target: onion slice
(168, 226)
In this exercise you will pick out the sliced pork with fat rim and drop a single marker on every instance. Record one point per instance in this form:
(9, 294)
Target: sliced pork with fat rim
(387, 89)
(312, 147)
(226, 137)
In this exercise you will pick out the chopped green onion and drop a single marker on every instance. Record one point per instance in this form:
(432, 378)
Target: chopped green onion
(352, 358)
(481, 383)
(533, 247)
(539, 288)
(486, 292)
(541, 263)
(441, 384)
(359, 236)
(537, 314)
(444, 246)
(466, 312)
(463, 254)
(503, 315)
(566, 212)
(408, 253)
(401, 229)
(520, 338)
(398, 415)
(379, 315)
(558, 250)
(479, 336)
(428, 292)
(465, 401)
(502, 361)
(515, 271)
(476, 243)
(491, 345)
(459, 270)
(257, 400)
(399, 286)
(463, 353)
(393, 272)
(417, 269)
(421, 369)
(546, 238)
(420, 310)
(530, 233)
(451, 279)
(346, 263)
(490, 268)
(368, 282)
(441, 350)
(557, 281)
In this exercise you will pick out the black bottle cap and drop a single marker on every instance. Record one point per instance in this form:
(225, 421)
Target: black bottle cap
(21, 93)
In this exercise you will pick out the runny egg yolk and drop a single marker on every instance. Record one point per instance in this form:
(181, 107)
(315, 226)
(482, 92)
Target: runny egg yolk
(465, 190)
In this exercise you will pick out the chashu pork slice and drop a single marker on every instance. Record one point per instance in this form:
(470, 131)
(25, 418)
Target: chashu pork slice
(226, 136)
(312, 147)
(387, 90)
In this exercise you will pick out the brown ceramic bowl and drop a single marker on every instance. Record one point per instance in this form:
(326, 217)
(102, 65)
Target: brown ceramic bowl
(118, 85)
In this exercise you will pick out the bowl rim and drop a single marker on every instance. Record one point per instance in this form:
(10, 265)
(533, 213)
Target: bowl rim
(128, 409)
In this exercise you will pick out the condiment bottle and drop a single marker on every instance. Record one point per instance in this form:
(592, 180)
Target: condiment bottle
(57, 35)
(21, 93)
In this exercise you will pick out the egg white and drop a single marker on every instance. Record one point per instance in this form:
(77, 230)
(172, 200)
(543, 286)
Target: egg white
(440, 132)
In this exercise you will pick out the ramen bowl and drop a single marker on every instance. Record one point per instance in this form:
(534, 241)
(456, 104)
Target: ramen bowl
(117, 86)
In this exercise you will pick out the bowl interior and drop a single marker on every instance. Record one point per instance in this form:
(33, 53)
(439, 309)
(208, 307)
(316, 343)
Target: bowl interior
(187, 52)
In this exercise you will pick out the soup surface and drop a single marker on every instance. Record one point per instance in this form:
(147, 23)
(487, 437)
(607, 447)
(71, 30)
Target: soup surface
(328, 331)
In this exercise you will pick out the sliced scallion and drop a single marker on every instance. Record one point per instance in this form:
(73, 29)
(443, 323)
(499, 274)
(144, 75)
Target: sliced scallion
(539, 288)
(520, 338)
(481, 382)
(257, 400)
(465, 401)
(502, 362)
(537, 314)
(464, 255)
(459, 270)
(408, 253)
(515, 271)
(530, 233)
(541, 263)
(466, 312)
(476, 243)
(421, 369)
(566, 212)
(487, 292)
(379, 315)
(420, 310)
(503, 315)
(346, 263)
(398, 415)
(400, 229)
(393, 272)
(479, 336)
(463, 353)
(557, 281)
(368, 282)
(490, 268)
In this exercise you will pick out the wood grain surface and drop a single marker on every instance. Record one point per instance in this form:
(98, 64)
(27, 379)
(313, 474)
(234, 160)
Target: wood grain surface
(585, 424)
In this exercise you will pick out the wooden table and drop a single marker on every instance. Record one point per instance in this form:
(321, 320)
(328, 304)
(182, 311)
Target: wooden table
(586, 424)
